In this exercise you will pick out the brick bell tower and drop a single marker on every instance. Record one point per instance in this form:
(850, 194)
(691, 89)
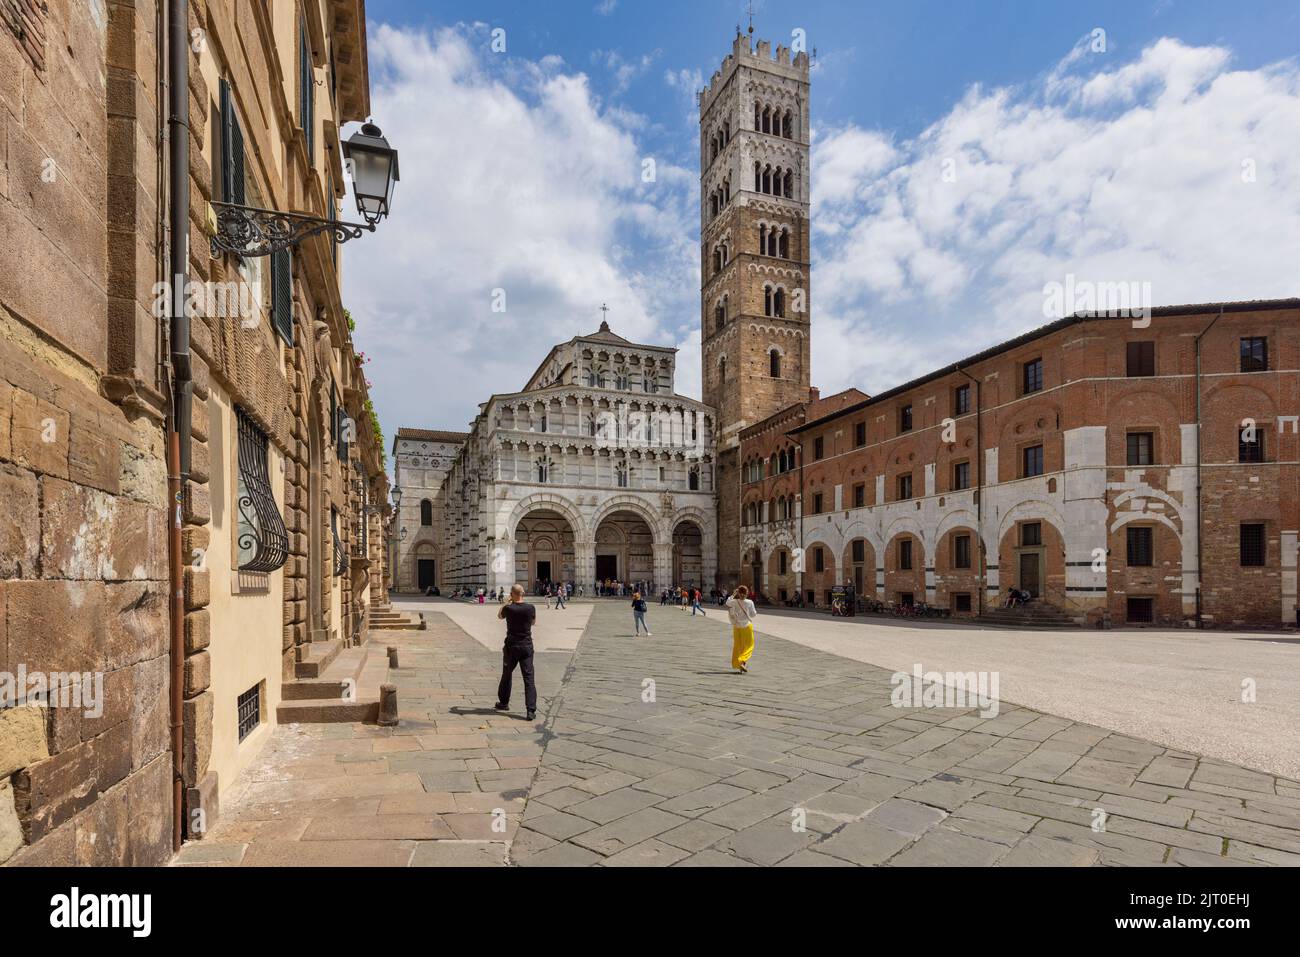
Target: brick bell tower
(754, 256)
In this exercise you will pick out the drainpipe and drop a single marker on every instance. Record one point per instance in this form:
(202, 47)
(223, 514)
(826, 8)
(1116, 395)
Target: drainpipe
(1200, 525)
(178, 432)
(979, 490)
(802, 556)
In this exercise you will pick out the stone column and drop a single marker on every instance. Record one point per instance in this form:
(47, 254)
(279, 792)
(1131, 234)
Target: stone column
(663, 563)
(584, 564)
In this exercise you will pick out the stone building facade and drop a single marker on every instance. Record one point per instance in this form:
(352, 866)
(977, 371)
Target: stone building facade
(1064, 462)
(421, 460)
(282, 510)
(595, 470)
(754, 254)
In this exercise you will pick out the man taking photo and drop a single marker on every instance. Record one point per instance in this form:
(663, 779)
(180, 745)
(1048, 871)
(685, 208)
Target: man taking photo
(519, 616)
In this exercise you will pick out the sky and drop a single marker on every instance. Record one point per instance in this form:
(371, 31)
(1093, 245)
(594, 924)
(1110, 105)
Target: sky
(965, 156)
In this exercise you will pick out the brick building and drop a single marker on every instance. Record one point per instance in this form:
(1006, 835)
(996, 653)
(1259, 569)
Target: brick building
(1064, 462)
(281, 509)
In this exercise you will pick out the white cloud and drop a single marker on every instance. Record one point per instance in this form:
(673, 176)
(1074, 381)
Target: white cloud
(1112, 171)
(514, 176)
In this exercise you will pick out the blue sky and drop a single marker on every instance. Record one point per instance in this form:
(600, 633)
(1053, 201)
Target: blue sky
(522, 174)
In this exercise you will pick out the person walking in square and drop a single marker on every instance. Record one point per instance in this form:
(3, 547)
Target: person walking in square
(638, 615)
(742, 613)
(695, 604)
(519, 616)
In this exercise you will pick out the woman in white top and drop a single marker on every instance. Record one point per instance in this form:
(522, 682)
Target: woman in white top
(742, 613)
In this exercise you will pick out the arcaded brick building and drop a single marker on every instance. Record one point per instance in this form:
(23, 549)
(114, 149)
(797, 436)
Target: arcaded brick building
(1064, 462)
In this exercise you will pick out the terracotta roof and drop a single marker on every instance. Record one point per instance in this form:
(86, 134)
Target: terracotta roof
(605, 335)
(1194, 309)
(431, 435)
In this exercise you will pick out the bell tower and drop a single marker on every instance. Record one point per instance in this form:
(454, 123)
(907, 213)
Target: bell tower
(754, 255)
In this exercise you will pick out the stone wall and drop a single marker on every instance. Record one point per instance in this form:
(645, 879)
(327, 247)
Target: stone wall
(82, 475)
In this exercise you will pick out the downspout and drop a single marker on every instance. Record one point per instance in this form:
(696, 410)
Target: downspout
(979, 489)
(1200, 525)
(802, 557)
(178, 432)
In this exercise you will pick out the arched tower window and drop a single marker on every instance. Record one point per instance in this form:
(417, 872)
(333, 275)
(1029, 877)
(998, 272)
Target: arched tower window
(778, 304)
(774, 364)
(767, 300)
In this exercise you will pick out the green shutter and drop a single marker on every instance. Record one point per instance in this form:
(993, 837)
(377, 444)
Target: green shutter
(232, 150)
(306, 113)
(282, 294)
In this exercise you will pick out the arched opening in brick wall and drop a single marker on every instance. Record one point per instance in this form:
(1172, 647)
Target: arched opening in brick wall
(905, 569)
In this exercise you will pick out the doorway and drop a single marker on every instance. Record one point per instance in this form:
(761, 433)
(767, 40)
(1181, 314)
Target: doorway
(606, 567)
(1031, 577)
(426, 573)
(543, 571)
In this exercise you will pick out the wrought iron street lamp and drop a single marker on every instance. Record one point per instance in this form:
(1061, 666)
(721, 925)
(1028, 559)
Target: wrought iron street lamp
(373, 164)
(254, 231)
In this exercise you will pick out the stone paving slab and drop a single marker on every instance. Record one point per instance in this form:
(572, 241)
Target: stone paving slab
(445, 788)
(806, 762)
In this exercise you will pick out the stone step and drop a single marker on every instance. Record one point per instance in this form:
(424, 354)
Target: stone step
(322, 711)
(316, 657)
(313, 689)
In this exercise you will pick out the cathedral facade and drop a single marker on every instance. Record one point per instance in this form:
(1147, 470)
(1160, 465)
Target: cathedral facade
(595, 470)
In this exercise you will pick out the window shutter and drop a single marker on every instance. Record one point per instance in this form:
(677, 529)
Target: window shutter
(306, 101)
(282, 294)
(232, 150)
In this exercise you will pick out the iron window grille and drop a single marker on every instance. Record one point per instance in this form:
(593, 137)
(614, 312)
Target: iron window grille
(859, 495)
(340, 556)
(904, 487)
(1031, 533)
(1140, 610)
(905, 419)
(905, 555)
(249, 710)
(1139, 546)
(1252, 545)
(261, 538)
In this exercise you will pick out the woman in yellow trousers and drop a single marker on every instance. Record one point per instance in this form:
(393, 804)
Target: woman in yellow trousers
(742, 613)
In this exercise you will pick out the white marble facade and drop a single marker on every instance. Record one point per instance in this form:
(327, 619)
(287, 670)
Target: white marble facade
(595, 470)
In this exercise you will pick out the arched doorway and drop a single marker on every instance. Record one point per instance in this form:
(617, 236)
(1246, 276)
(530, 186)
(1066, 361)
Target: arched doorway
(688, 554)
(543, 549)
(624, 548)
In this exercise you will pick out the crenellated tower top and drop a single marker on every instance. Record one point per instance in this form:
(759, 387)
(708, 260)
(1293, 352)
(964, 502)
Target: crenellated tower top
(742, 52)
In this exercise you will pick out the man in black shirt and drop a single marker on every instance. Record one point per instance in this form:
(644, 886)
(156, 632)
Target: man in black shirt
(519, 616)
